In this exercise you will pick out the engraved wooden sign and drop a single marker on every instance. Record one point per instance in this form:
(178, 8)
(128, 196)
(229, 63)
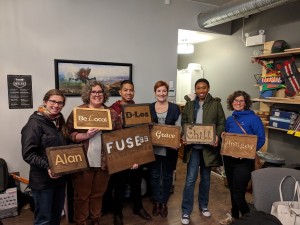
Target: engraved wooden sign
(66, 159)
(239, 145)
(86, 118)
(126, 147)
(134, 114)
(166, 135)
(199, 133)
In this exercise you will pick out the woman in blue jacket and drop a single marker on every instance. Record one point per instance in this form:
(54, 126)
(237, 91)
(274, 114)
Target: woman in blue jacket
(238, 170)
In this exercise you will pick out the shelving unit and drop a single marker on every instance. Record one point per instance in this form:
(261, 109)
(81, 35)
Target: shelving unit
(265, 104)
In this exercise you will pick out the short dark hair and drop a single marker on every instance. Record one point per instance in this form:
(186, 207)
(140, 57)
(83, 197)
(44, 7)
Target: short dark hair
(234, 95)
(161, 83)
(202, 80)
(126, 82)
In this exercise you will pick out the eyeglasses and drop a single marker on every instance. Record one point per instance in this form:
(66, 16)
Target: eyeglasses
(53, 102)
(239, 101)
(97, 93)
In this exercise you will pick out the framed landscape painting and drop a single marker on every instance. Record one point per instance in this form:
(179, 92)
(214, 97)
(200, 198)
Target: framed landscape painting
(71, 75)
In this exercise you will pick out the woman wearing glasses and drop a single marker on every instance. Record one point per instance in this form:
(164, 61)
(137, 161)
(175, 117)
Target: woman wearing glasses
(45, 128)
(90, 185)
(238, 170)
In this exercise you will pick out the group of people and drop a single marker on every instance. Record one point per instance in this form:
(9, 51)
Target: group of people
(95, 190)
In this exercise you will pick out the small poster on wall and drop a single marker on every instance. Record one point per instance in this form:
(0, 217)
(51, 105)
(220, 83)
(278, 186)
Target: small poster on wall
(19, 91)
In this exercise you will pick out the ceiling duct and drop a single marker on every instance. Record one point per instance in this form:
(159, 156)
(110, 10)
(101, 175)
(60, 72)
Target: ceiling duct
(236, 9)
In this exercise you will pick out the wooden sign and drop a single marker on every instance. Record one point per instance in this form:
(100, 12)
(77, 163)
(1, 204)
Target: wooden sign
(166, 135)
(66, 159)
(239, 145)
(86, 118)
(126, 147)
(134, 114)
(199, 133)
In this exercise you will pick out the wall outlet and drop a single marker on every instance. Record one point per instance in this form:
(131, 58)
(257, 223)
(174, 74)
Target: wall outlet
(255, 40)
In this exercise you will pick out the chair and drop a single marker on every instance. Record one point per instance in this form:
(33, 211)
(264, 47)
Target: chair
(265, 184)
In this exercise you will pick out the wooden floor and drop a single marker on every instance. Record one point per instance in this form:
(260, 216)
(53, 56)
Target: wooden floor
(219, 205)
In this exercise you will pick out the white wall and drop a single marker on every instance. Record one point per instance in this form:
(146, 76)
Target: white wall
(33, 33)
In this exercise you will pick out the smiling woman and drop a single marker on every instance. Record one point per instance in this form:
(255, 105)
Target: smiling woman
(90, 185)
(45, 129)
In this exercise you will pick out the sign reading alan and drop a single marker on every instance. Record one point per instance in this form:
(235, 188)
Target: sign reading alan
(134, 114)
(126, 147)
(166, 135)
(199, 133)
(66, 159)
(86, 118)
(239, 145)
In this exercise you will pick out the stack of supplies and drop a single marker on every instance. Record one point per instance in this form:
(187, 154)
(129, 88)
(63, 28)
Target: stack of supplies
(282, 119)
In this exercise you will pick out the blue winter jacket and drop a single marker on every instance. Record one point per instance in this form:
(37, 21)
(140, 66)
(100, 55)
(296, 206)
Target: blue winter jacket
(250, 122)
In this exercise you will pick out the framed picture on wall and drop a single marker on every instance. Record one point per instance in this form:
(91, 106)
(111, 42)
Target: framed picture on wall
(71, 75)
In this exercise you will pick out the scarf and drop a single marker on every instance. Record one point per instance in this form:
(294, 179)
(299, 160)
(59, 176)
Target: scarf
(44, 112)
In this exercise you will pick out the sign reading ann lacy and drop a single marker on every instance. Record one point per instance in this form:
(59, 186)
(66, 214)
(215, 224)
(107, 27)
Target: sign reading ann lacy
(86, 118)
(199, 133)
(239, 145)
(66, 159)
(134, 114)
(126, 147)
(166, 135)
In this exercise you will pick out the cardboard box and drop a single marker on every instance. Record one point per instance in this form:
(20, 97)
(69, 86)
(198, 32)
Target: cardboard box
(8, 203)
(284, 114)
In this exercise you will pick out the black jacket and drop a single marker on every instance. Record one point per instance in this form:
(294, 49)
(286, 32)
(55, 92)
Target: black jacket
(38, 134)
(172, 116)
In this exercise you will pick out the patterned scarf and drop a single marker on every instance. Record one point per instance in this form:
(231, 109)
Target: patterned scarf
(44, 112)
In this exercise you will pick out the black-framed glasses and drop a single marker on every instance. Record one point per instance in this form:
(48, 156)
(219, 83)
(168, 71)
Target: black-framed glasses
(53, 102)
(239, 101)
(97, 93)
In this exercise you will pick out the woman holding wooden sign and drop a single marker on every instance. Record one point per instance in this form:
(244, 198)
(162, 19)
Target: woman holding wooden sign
(90, 185)
(161, 170)
(238, 170)
(45, 129)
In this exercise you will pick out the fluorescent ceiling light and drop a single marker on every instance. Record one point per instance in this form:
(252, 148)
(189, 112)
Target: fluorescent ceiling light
(185, 48)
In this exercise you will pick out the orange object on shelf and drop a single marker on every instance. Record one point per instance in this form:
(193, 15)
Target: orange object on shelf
(16, 177)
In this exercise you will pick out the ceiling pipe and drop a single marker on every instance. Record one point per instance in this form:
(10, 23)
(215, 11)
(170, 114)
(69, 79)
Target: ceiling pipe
(236, 9)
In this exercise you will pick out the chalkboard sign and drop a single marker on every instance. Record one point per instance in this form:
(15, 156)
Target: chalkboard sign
(19, 91)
